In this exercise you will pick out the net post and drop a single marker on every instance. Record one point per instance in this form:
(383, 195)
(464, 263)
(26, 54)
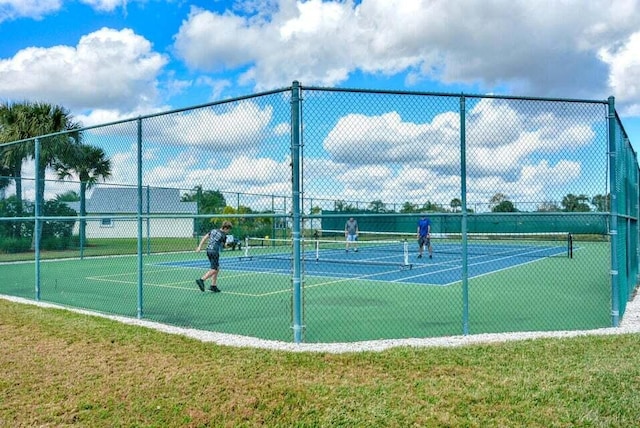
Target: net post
(406, 252)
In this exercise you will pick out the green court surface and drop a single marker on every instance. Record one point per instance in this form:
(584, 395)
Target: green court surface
(356, 304)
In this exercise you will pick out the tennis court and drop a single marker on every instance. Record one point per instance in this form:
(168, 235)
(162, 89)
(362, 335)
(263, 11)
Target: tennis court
(370, 294)
(393, 261)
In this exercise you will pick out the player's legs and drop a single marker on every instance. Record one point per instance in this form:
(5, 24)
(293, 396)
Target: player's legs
(351, 239)
(212, 273)
(421, 242)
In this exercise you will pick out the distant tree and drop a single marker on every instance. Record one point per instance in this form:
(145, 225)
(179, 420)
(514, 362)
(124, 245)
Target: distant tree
(573, 203)
(209, 201)
(90, 165)
(68, 196)
(56, 235)
(456, 204)
(505, 206)
(377, 206)
(601, 203)
(548, 206)
(497, 199)
(408, 207)
(12, 207)
(432, 207)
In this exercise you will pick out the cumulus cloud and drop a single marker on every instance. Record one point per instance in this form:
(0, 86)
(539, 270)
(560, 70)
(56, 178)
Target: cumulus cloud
(240, 128)
(533, 48)
(261, 176)
(106, 5)
(36, 9)
(526, 155)
(108, 69)
(624, 75)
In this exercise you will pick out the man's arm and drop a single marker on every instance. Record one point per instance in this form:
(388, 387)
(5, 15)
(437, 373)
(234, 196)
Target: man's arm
(202, 241)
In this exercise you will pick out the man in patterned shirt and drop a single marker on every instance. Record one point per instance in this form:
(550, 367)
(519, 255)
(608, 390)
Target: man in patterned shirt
(217, 239)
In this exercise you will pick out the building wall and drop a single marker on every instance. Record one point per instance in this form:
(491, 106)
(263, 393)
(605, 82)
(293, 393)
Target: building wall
(159, 228)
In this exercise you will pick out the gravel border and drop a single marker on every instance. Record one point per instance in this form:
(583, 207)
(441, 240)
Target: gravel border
(630, 324)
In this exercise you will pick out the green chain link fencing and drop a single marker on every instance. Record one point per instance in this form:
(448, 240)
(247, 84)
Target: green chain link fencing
(532, 203)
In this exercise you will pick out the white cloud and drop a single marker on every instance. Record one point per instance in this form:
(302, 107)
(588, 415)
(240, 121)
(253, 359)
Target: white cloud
(362, 139)
(535, 48)
(108, 69)
(218, 86)
(624, 74)
(526, 155)
(239, 128)
(106, 5)
(36, 9)
(244, 174)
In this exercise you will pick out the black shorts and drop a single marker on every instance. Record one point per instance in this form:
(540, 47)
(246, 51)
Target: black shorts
(214, 259)
(424, 241)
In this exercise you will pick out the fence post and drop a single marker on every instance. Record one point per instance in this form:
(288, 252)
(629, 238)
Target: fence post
(37, 222)
(295, 210)
(463, 226)
(140, 276)
(613, 166)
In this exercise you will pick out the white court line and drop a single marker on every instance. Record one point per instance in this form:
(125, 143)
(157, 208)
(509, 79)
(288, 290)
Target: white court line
(478, 264)
(175, 285)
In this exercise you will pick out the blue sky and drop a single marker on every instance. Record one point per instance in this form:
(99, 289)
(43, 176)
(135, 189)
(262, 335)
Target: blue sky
(107, 60)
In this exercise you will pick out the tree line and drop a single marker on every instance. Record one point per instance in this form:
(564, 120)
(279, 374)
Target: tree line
(214, 202)
(497, 203)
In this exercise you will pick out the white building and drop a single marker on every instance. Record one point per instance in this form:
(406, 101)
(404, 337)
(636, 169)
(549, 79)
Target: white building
(112, 204)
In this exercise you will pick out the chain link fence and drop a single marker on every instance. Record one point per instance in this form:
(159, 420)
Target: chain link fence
(532, 205)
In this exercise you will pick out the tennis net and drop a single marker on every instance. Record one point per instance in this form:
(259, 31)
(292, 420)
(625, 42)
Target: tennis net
(535, 245)
(387, 252)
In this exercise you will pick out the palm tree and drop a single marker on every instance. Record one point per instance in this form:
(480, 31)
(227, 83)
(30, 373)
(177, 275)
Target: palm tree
(90, 164)
(46, 119)
(5, 177)
(14, 126)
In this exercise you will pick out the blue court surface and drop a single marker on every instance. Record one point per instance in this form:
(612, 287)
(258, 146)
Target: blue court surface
(394, 266)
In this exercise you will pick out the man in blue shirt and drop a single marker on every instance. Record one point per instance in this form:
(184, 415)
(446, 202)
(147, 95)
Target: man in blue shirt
(424, 236)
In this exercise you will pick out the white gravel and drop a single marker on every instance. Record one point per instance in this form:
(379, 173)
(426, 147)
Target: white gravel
(630, 324)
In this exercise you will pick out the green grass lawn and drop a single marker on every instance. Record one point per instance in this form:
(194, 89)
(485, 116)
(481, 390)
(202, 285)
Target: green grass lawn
(61, 368)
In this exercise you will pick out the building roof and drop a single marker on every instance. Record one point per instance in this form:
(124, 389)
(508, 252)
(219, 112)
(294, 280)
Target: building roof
(112, 200)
